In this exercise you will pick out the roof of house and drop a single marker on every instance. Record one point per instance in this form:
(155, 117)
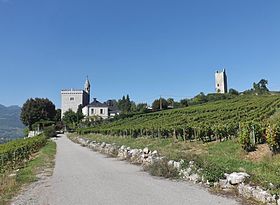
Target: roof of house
(96, 103)
(111, 108)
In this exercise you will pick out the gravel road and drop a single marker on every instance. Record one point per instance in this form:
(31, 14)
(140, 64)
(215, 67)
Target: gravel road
(84, 177)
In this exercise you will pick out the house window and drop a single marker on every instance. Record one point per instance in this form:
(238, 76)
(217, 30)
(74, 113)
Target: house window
(72, 98)
(101, 111)
(92, 111)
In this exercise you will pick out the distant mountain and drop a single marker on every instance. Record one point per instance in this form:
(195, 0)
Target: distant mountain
(10, 124)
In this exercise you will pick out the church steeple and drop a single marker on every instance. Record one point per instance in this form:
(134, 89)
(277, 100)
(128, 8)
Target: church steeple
(87, 86)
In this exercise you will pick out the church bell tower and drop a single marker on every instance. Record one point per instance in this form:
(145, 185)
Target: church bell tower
(87, 91)
(87, 86)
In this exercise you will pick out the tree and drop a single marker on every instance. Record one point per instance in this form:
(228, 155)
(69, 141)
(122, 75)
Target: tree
(57, 117)
(79, 114)
(260, 87)
(184, 102)
(159, 103)
(125, 105)
(233, 92)
(141, 107)
(34, 110)
(70, 118)
(198, 99)
(170, 102)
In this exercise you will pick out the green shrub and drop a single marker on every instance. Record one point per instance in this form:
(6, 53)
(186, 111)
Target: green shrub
(212, 172)
(50, 132)
(245, 137)
(14, 154)
(162, 169)
(273, 137)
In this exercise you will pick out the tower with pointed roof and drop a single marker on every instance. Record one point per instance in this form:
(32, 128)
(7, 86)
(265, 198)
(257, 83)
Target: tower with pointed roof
(87, 86)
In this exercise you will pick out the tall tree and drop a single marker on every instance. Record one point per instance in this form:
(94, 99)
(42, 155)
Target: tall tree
(261, 87)
(141, 107)
(79, 114)
(57, 117)
(170, 102)
(160, 103)
(34, 110)
(125, 105)
(70, 118)
(184, 102)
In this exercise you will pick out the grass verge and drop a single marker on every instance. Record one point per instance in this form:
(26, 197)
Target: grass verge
(215, 158)
(10, 184)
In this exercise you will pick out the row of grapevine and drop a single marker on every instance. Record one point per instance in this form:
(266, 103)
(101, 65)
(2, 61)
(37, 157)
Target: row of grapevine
(13, 154)
(217, 120)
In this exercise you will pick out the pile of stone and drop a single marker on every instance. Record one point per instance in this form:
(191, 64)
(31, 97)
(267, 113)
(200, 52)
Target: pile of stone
(187, 171)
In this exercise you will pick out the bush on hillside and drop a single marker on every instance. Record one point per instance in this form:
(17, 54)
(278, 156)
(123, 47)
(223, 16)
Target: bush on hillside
(50, 132)
(273, 137)
(162, 169)
(245, 137)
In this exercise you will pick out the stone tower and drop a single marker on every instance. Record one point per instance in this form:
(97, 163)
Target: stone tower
(221, 82)
(71, 99)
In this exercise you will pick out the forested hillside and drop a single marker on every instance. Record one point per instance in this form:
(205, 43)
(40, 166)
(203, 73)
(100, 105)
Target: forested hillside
(10, 124)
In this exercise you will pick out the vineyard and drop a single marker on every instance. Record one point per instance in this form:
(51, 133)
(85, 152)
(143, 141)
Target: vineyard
(15, 153)
(211, 120)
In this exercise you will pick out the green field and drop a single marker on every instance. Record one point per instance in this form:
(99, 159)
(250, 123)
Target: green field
(209, 119)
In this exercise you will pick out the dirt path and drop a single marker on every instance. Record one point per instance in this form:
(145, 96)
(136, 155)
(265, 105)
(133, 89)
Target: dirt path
(84, 177)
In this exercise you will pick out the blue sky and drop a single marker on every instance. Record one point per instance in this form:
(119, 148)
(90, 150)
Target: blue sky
(144, 48)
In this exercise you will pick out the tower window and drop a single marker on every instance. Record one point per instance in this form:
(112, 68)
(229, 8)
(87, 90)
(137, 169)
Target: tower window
(218, 85)
(101, 111)
(72, 98)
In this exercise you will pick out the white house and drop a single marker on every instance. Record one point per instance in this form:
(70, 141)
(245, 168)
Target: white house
(96, 108)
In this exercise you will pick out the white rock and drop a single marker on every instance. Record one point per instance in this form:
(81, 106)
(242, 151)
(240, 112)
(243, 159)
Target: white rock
(103, 144)
(155, 153)
(237, 178)
(191, 163)
(177, 165)
(146, 150)
(194, 177)
(245, 190)
(170, 163)
(260, 194)
(223, 183)
(133, 152)
(189, 170)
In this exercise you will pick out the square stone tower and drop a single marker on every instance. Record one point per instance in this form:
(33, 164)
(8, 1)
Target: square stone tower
(71, 99)
(221, 82)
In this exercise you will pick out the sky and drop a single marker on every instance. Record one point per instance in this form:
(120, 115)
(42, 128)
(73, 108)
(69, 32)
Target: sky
(144, 48)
